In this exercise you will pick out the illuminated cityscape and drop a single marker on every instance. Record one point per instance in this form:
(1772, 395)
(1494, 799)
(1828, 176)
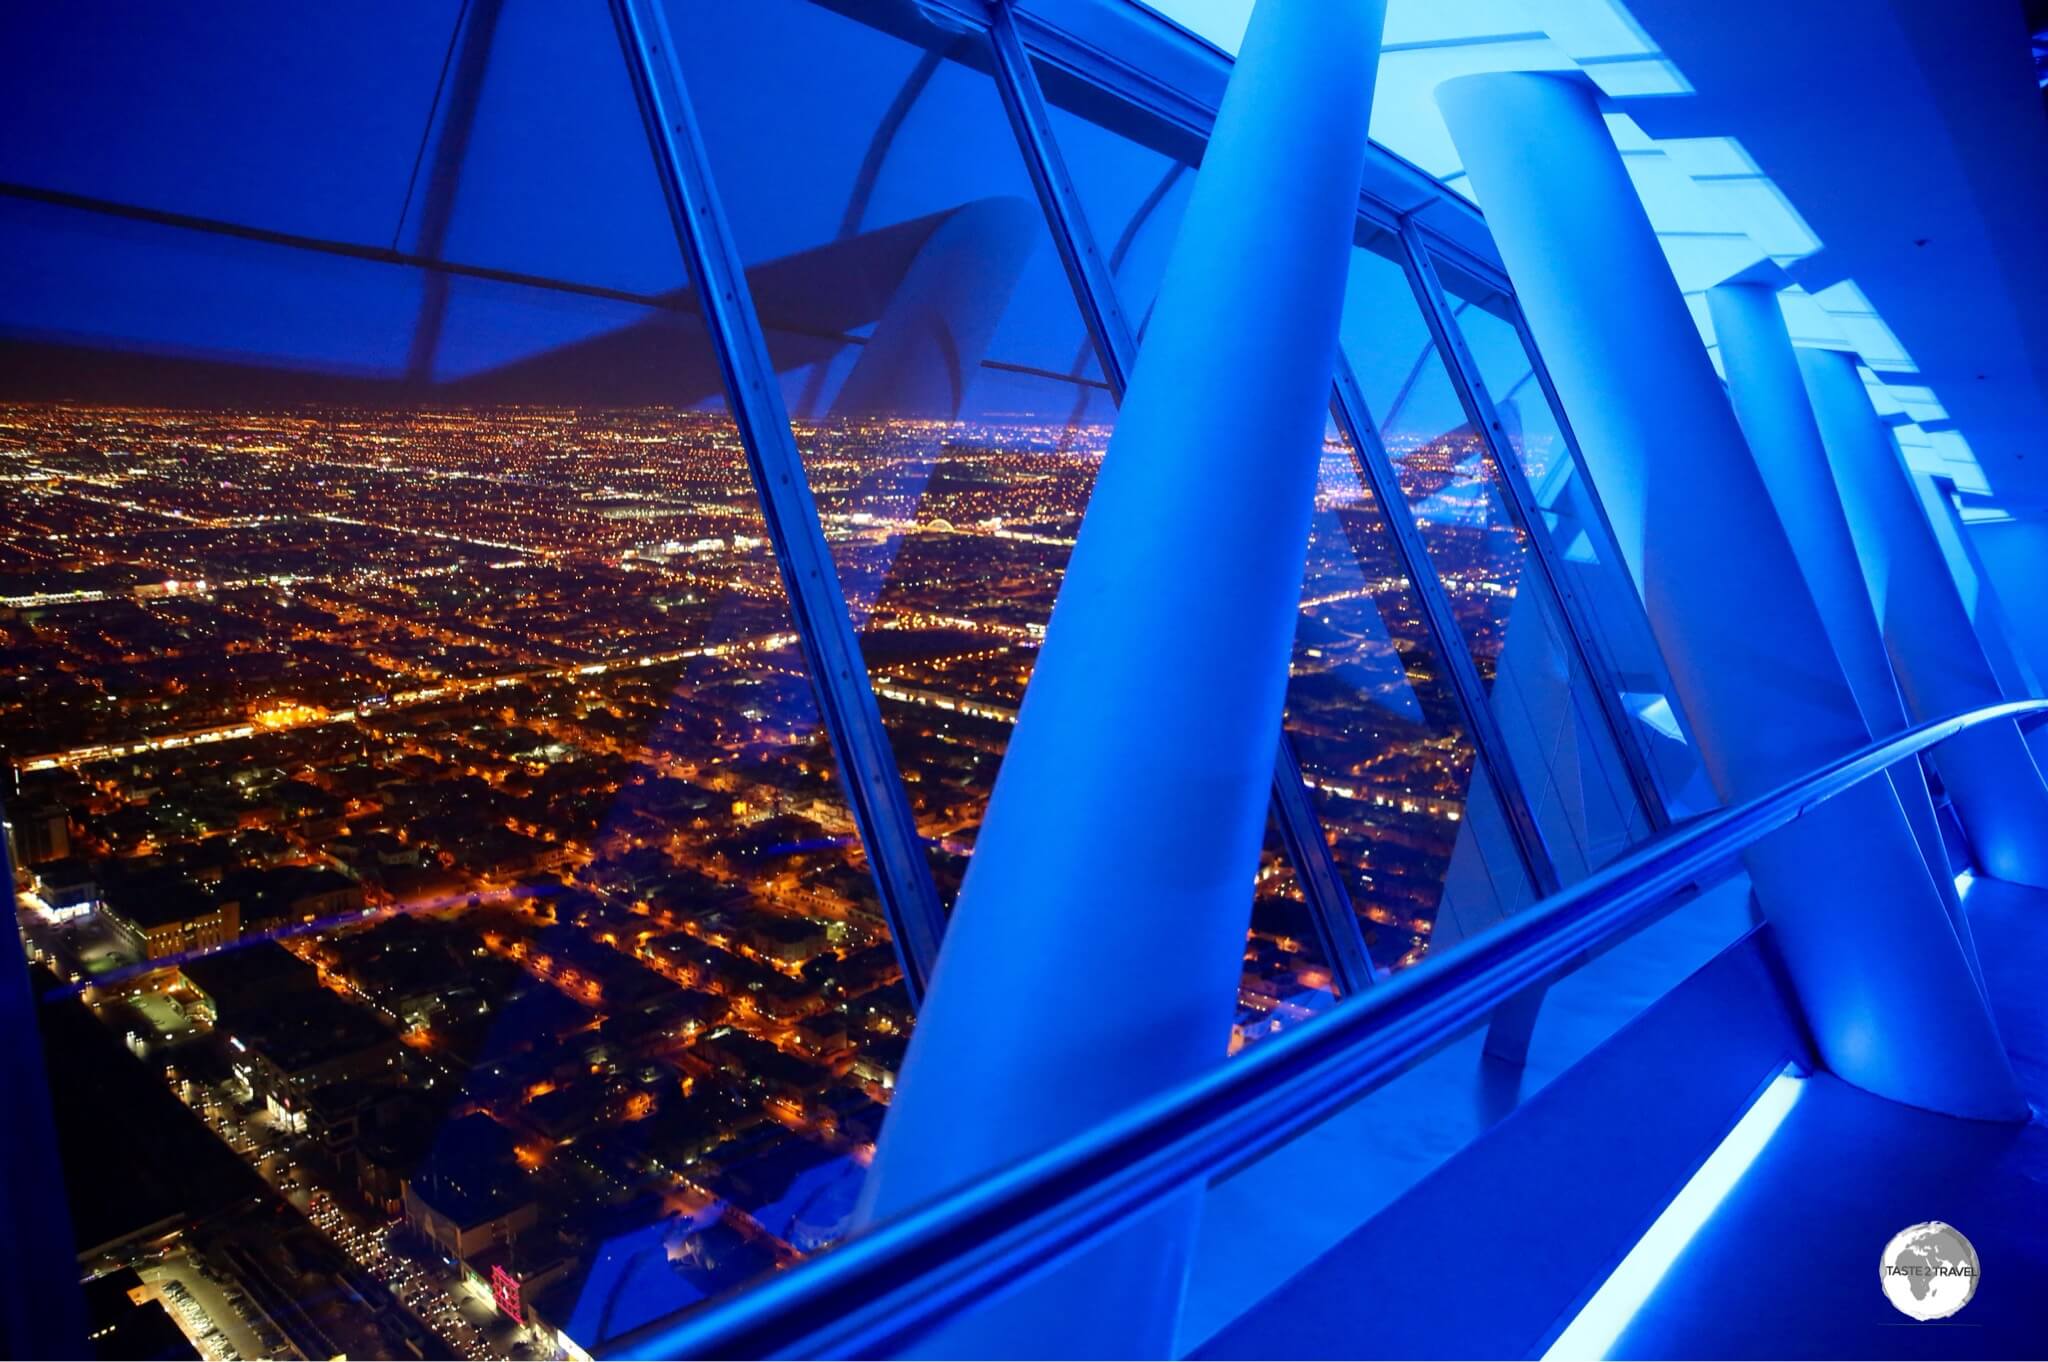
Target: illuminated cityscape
(1022, 678)
(386, 775)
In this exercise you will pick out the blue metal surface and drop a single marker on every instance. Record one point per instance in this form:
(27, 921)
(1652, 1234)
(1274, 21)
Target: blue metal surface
(867, 768)
(1866, 949)
(1116, 346)
(1610, 546)
(1850, 1171)
(1200, 516)
(880, 1291)
(1935, 649)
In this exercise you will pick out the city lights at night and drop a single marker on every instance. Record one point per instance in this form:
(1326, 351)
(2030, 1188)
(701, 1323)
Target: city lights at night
(1023, 678)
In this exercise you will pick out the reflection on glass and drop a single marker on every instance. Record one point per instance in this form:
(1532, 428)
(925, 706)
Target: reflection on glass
(445, 818)
(949, 408)
(1569, 766)
(1619, 633)
(1133, 174)
(1415, 829)
(447, 916)
(1286, 979)
(946, 397)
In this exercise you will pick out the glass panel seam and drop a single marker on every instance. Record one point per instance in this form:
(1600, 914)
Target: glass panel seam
(853, 723)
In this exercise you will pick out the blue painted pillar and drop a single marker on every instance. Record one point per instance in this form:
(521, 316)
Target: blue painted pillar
(2016, 675)
(1095, 952)
(1771, 406)
(1854, 909)
(1990, 771)
(2014, 553)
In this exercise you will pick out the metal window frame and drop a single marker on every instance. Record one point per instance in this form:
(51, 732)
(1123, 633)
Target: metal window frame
(846, 700)
(1322, 880)
(1376, 470)
(1495, 278)
(1523, 510)
(887, 1291)
(1063, 34)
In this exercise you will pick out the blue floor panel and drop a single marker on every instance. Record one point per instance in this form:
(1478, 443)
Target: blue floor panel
(1788, 1266)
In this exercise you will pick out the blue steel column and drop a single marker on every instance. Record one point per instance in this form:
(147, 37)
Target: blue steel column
(817, 604)
(1776, 419)
(1683, 797)
(1093, 277)
(2016, 676)
(1990, 771)
(1520, 504)
(1865, 940)
(1094, 954)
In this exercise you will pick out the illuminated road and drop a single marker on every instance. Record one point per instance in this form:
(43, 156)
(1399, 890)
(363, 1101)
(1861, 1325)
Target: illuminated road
(79, 756)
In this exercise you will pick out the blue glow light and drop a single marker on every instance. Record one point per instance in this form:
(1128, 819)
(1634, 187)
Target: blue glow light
(1964, 879)
(1604, 1318)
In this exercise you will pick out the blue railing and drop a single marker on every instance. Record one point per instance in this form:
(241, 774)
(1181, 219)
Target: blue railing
(875, 1294)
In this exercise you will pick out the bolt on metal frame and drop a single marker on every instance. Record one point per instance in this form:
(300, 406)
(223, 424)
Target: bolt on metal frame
(831, 651)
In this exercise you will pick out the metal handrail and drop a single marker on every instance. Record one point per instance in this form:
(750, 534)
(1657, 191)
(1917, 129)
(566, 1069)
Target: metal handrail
(876, 1293)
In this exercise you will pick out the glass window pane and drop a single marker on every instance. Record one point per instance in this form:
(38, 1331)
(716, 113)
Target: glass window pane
(1565, 757)
(433, 829)
(1415, 828)
(139, 107)
(1132, 173)
(1286, 978)
(949, 407)
(1619, 632)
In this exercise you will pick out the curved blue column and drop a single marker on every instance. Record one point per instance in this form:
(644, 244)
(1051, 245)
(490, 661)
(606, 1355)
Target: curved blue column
(1861, 926)
(1990, 771)
(2016, 675)
(1094, 954)
(1778, 423)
